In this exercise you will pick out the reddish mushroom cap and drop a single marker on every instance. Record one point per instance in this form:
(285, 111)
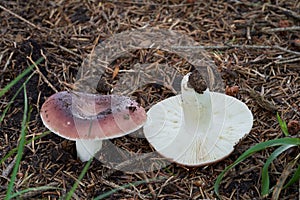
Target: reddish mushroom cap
(76, 115)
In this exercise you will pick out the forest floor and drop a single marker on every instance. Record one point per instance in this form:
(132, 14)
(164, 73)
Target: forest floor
(255, 45)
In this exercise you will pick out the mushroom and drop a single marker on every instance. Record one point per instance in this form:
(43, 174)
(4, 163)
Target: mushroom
(90, 118)
(197, 128)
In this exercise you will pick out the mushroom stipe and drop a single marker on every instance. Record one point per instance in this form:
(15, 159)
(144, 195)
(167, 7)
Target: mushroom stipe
(196, 129)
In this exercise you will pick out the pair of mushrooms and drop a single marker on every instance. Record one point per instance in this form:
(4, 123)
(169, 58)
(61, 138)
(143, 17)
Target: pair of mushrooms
(193, 128)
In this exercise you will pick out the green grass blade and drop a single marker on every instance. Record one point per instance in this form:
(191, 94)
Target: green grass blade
(19, 77)
(252, 150)
(294, 178)
(282, 125)
(265, 181)
(83, 172)
(14, 150)
(41, 188)
(20, 149)
(14, 97)
(282, 179)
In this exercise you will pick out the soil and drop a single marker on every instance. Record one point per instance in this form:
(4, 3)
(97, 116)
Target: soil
(254, 45)
(197, 82)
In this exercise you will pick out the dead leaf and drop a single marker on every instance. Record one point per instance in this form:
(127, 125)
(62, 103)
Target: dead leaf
(116, 71)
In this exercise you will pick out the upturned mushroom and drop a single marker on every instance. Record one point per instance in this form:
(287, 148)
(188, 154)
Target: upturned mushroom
(89, 119)
(197, 128)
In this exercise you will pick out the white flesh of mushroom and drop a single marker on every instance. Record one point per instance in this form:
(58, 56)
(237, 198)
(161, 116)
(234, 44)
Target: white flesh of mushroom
(86, 149)
(197, 129)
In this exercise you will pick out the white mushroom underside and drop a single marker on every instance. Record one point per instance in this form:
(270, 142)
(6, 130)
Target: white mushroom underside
(194, 143)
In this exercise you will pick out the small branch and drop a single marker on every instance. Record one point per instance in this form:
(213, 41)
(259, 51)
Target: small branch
(126, 163)
(227, 46)
(284, 175)
(286, 50)
(8, 169)
(21, 18)
(153, 4)
(287, 61)
(149, 186)
(115, 186)
(286, 11)
(272, 30)
(291, 107)
(8, 61)
(65, 49)
(42, 75)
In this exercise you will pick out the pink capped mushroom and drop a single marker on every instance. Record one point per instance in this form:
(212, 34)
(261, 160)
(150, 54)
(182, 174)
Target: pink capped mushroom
(90, 118)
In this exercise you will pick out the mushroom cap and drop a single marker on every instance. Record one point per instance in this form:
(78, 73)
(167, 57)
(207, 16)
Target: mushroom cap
(189, 143)
(76, 115)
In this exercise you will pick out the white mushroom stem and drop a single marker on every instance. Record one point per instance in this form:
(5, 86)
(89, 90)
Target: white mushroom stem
(197, 109)
(86, 149)
(197, 129)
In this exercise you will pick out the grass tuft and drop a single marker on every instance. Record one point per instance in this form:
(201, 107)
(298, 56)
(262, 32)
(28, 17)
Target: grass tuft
(265, 180)
(20, 149)
(19, 77)
(282, 125)
(13, 98)
(283, 143)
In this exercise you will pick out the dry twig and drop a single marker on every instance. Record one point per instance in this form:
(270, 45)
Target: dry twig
(116, 186)
(42, 75)
(285, 10)
(8, 169)
(21, 18)
(272, 30)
